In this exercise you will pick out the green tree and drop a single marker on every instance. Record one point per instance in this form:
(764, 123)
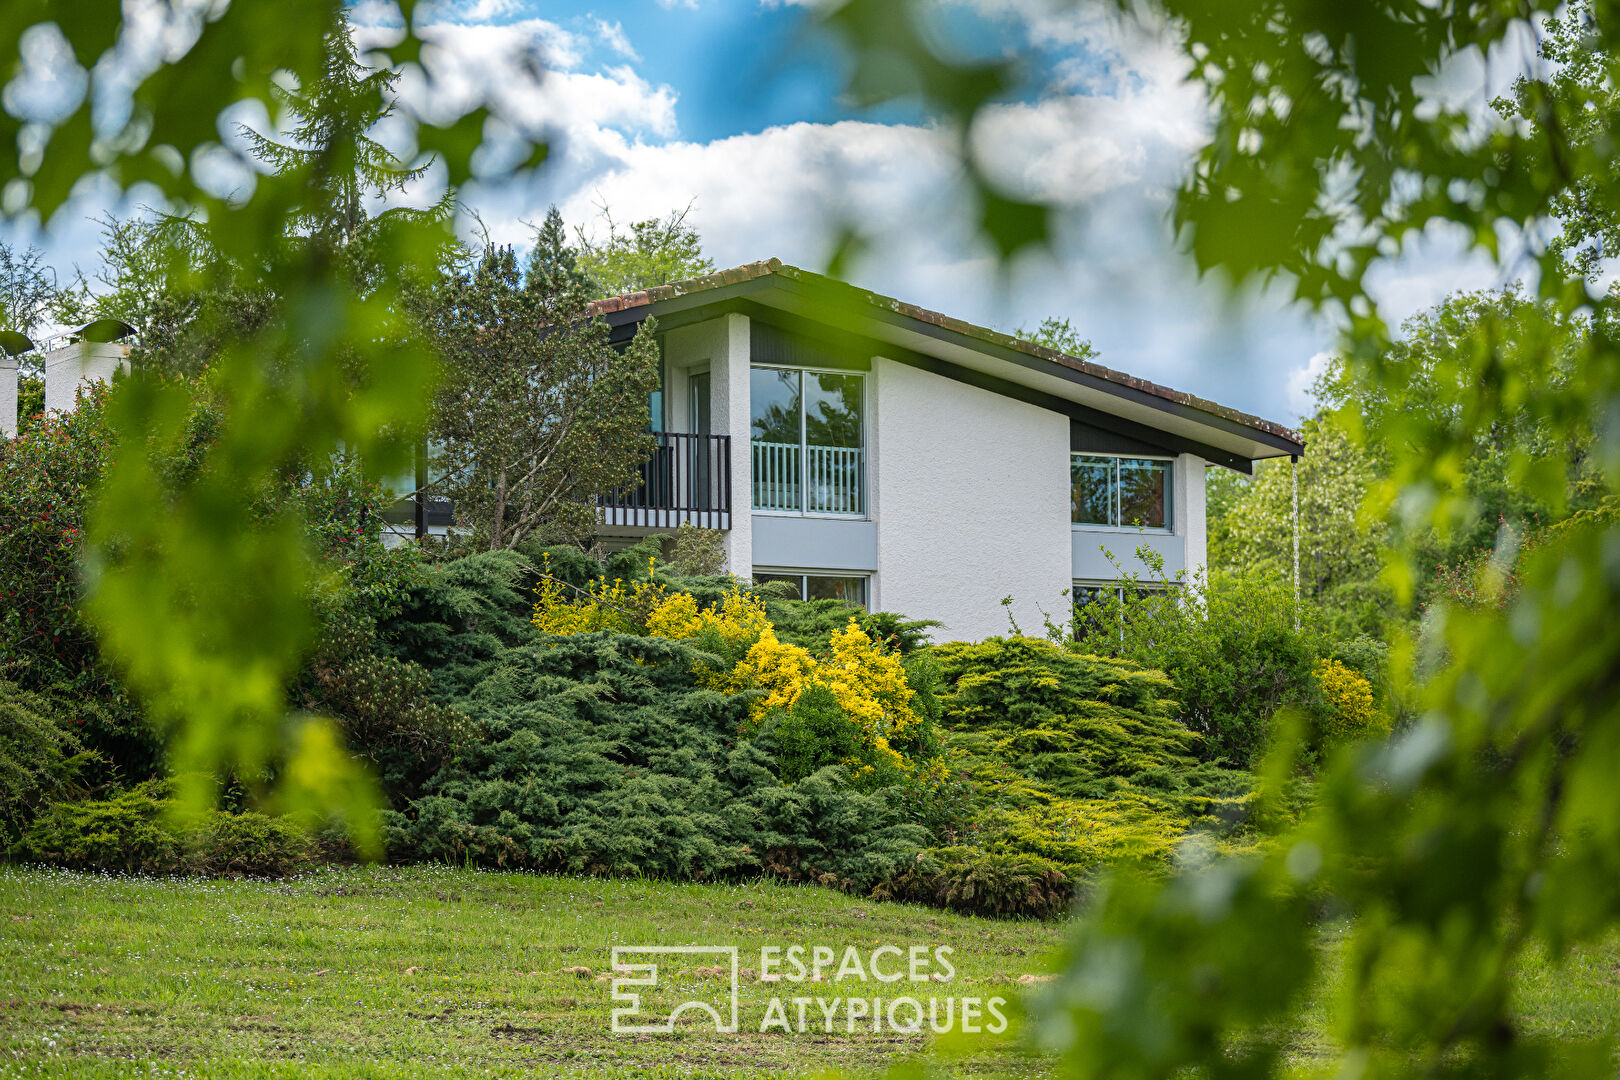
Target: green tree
(30, 299)
(30, 296)
(198, 595)
(656, 251)
(1514, 469)
(1058, 334)
(331, 140)
(538, 413)
(148, 261)
(1573, 98)
(1339, 554)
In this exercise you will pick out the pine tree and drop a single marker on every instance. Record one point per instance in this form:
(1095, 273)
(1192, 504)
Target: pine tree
(331, 142)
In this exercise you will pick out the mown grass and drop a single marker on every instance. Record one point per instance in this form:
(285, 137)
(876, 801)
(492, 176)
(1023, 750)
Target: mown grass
(433, 972)
(443, 973)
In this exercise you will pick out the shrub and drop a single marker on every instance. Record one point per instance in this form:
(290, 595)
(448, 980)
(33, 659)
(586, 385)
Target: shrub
(811, 624)
(1236, 648)
(136, 831)
(46, 475)
(982, 883)
(741, 653)
(39, 757)
(604, 755)
(1076, 760)
(1346, 709)
(810, 734)
(697, 552)
(460, 615)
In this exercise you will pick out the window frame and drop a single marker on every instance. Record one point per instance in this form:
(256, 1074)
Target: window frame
(1115, 488)
(863, 576)
(865, 512)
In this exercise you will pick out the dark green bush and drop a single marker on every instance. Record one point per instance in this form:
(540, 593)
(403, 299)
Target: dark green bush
(40, 757)
(136, 832)
(982, 883)
(602, 756)
(811, 735)
(810, 624)
(461, 615)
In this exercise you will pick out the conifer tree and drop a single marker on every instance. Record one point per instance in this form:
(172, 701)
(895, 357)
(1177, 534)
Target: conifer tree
(538, 413)
(331, 141)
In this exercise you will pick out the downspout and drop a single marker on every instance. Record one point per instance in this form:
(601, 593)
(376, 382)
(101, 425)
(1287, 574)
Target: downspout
(1293, 475)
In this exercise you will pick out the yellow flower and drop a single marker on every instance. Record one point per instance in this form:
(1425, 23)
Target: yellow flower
(1352, 712)
(868, 684)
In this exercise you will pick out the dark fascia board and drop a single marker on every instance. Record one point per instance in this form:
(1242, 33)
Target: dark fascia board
(741, 298)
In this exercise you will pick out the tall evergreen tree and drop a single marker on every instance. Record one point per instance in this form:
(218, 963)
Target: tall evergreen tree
(538, 413)
(331, 141)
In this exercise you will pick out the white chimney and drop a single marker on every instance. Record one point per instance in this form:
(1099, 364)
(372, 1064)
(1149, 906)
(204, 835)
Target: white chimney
(73, 365)
(8, 396)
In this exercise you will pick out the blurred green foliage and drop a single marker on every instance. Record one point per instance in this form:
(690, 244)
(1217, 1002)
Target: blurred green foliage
(1492, 821)
(196, 590)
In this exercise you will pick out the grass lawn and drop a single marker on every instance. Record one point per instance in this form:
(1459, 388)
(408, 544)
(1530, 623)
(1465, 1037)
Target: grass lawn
(436, 972)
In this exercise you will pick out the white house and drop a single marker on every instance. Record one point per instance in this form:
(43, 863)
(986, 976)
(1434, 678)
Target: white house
(865, 448)
(878, 451)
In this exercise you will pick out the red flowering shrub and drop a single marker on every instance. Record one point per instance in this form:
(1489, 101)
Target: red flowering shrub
(46, 474)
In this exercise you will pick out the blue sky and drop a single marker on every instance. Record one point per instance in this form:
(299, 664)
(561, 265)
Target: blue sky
(731, 107)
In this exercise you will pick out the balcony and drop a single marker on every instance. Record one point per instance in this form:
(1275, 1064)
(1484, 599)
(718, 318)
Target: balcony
(831, 478)
(687, 479)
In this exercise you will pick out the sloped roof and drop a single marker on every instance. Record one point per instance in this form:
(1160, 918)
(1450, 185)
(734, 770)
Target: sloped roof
(754, 271)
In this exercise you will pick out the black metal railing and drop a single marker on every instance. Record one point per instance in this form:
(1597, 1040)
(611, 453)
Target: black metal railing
(688, 478)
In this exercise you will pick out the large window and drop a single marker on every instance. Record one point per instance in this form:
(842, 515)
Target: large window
(1119, 492)
(808, 441)
(851, 589)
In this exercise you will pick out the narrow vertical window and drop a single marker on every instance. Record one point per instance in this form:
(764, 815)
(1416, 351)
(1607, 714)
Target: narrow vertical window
(776, 436)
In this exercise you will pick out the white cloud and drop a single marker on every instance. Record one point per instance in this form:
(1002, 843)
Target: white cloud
(613, 36)
(1300, 381)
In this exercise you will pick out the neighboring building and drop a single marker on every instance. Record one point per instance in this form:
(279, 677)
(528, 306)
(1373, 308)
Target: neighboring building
(891, 455)
(92, 353)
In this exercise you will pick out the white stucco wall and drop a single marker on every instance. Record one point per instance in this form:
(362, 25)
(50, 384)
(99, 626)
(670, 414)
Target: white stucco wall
(1190, 520)
(8, 396)
(721, 347)
(71, 366)
(971, 498)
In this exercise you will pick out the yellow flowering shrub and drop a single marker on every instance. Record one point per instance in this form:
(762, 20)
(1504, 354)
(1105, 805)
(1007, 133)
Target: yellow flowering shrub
(868, 685)
(739, 619)
(1350, 712)
(782, 670)
(617, 605)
